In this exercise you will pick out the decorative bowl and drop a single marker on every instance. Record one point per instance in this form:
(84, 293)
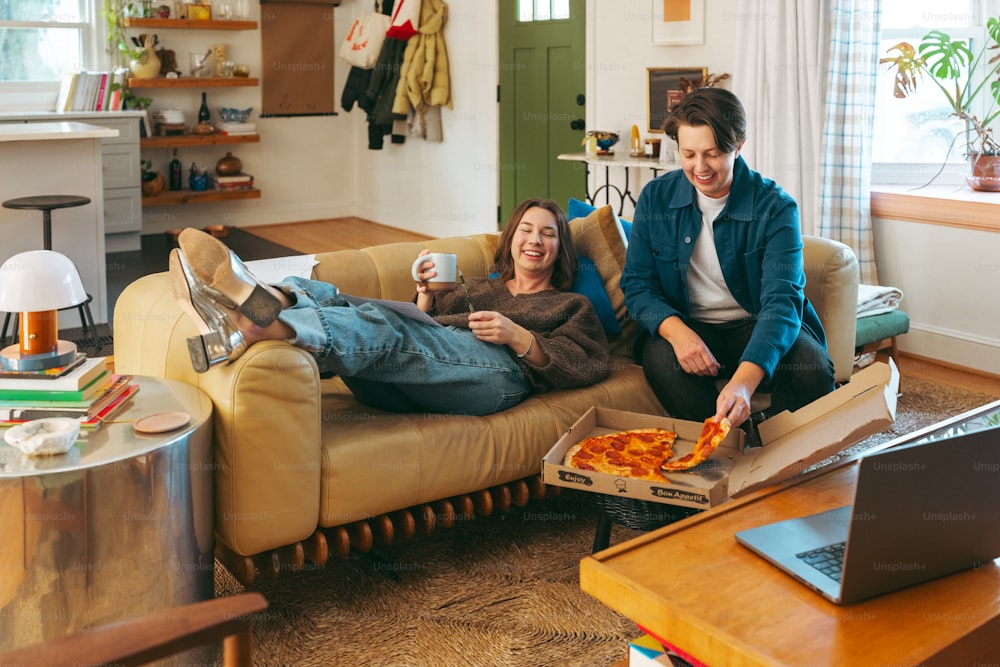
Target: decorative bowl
(230, 115)
(44, 437)
(605, 140)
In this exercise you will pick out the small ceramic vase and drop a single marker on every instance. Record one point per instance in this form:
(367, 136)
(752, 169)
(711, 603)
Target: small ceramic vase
(229, 165)
(146, 66)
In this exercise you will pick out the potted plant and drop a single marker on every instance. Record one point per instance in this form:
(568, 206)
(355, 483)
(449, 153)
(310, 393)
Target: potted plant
(946, 61)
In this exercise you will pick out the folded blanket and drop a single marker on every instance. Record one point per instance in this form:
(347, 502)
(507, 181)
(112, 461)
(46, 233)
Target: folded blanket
(876, 299)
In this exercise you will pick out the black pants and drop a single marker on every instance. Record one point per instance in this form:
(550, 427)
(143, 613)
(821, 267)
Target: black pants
(804, 374)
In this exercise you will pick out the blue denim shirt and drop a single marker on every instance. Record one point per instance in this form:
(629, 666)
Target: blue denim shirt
(759, 242)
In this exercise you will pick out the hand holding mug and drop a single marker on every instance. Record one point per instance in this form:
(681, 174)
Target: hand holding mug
(436, 271)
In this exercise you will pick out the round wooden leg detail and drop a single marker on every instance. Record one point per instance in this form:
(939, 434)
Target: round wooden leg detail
(382, 530)
(404, 524)
(339, 541)
(482, 502)
(426, 520)
(361, 536)
(445, 513)
(501, 497)
(519, 493)
(536, 487)
(242, 567)
(269, 564)
(463, 507)
(316, 548)
(292, 556)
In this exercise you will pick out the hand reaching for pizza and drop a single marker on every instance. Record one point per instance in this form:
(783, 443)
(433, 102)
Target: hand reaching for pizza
(712, 434)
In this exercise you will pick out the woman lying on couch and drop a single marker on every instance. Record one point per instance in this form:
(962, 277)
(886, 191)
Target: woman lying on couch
(524, 334)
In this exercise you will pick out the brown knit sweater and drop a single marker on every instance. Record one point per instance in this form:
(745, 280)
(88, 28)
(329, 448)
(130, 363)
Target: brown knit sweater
(564, 323)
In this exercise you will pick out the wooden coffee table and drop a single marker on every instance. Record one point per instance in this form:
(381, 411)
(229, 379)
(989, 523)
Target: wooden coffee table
(691, 584)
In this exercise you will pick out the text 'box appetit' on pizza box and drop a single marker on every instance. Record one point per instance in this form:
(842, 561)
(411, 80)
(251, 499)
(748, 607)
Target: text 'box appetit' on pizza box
(793, 442)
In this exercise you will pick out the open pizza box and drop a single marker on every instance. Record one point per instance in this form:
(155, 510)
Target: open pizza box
(792, 443)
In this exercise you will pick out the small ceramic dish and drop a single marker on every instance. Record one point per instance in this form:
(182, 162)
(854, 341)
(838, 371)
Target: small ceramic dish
(44, 437)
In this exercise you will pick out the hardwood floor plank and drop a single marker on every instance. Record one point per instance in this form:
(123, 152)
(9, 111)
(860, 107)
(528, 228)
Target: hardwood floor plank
(318, 236)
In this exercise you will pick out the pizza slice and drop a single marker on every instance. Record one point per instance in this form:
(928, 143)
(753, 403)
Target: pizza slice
(712, 434)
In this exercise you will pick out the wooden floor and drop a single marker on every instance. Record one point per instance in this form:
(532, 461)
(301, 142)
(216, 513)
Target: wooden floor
(328, 235)
(350, 233)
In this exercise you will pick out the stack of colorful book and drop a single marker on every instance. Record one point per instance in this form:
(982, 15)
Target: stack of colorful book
(85, 389)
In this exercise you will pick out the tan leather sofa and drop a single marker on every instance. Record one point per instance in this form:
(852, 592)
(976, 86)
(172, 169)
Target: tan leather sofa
(304, 471)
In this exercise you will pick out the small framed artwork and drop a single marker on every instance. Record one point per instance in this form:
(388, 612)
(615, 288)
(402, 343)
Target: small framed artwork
(678, 22)
(664, 89)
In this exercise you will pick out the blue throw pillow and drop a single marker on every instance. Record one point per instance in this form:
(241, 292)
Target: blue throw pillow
(588, 282)
(580, 209)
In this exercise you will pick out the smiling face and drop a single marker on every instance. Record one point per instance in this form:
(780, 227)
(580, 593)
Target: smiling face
(708, 168)
(534, 246)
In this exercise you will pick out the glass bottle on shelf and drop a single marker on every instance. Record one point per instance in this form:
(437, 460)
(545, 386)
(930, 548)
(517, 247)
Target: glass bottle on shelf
(203, 114)
(176, 182)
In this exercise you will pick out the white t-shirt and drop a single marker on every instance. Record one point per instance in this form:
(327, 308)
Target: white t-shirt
(711, 300)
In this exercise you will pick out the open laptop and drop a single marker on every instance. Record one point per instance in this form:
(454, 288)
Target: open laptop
(921, 511)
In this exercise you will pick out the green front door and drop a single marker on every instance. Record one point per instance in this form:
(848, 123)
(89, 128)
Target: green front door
(542, 112)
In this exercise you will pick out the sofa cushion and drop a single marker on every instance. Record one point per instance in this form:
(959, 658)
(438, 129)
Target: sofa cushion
(587, 281)
(598, 236)
(581, 209)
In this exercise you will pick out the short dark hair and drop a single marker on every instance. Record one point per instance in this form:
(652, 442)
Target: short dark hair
(718, 108)
(566, 260)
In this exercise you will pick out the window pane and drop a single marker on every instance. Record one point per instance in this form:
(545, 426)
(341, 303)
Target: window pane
(38, 54)
(542, 10)
(898, 15)
(60, 11)
(525, 10)
(560, 9)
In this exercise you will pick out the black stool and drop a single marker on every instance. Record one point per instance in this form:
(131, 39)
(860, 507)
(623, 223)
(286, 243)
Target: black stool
(46, 204)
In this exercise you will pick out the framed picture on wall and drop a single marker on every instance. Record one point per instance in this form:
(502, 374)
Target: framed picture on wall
(678, 22)
(664, 89)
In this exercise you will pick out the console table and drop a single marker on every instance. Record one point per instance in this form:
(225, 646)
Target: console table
(620, 161)
(692, 585)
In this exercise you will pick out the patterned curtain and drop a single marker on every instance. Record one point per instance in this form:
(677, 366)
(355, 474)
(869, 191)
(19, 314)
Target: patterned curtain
(845, 200)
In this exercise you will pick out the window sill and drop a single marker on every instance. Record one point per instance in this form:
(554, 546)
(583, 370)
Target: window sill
(938, 205)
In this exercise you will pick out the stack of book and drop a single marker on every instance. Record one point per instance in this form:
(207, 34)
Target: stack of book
(222, 127)
(91, 91)
(85, 389)
(238, 181)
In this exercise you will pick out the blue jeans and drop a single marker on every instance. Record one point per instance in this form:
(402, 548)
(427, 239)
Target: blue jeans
(395, 363)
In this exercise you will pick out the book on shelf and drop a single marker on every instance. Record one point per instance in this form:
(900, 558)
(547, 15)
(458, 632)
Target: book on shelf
(74, 376)
(111, 410)
(16, 412)
(67, 89)
(236, 128)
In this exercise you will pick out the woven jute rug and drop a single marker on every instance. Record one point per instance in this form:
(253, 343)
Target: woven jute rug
(500, 590)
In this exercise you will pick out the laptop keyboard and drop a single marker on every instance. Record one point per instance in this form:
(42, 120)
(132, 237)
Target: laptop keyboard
(829, 559)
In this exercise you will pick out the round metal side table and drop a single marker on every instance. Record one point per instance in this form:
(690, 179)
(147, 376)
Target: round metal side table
(119, 526)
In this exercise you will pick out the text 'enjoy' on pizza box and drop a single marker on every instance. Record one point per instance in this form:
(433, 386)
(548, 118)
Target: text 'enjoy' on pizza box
(793, 442)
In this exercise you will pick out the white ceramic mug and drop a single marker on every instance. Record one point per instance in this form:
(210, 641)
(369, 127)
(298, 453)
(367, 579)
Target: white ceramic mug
(445, 266)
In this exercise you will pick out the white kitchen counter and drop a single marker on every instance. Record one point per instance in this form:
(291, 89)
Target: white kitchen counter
(55, 131)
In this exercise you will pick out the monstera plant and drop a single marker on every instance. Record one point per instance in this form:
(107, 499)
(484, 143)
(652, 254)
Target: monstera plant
(961, 76)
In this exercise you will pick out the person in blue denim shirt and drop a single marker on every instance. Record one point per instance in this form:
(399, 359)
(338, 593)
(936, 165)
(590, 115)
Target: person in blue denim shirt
(477, 353)
(714, 276)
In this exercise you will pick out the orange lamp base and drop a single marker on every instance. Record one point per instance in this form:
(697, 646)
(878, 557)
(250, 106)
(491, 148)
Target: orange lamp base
(39, 347)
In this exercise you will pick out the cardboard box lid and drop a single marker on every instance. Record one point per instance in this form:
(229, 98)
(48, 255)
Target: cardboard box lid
(794, 441)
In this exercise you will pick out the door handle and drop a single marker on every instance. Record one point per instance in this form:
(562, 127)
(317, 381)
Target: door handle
(577, 124)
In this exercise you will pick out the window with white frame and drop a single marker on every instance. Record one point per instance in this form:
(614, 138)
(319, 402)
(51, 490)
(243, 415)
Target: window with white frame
(40, 40)
(915, 137)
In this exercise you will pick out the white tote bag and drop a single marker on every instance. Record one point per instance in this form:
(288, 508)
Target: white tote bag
(364, 40)
(405, 19)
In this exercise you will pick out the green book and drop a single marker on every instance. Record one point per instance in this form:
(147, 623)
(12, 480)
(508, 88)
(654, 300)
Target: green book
(26, 398)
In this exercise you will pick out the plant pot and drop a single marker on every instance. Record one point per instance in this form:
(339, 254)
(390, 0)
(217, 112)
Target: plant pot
(146, 66)
(985, 173)
(153, 186)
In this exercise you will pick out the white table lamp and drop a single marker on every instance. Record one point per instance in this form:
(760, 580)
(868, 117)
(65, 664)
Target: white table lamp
(36, 284)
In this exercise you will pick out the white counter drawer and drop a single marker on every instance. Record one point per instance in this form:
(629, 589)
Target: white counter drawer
(122, 210)
(120, 168)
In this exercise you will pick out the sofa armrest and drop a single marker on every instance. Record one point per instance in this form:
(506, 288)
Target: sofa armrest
(832, 278)
(266, 418)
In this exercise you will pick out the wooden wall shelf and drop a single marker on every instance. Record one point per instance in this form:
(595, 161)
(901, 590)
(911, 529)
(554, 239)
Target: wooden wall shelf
(188, 140)
(214, 24)
(194, 82)
(177, 197)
